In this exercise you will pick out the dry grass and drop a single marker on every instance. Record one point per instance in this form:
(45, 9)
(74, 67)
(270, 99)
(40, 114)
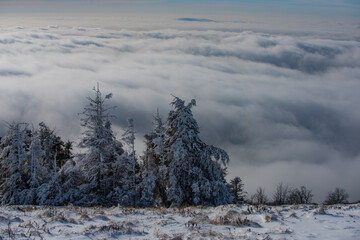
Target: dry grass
(160, 235)
(33, 234)
(233, 218)
(85, 217)
(270, 218)
(129, 211)
(47, 213)
(194, 222)
(160, 210)
(320, 210)
(60, 217)
(27, 208)
(212, 234)
(114, 229)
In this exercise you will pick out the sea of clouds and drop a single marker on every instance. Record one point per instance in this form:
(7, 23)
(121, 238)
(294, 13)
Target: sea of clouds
(284, 106)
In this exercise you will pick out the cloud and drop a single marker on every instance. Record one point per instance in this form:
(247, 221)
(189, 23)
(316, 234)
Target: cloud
(87, 43)
(195, 20)
(12, 72)
(282, 104)
(7, 41)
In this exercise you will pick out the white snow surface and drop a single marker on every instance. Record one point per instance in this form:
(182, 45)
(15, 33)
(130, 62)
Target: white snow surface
(223, 222)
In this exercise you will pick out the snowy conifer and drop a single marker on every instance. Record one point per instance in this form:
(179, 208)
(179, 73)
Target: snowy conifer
(154, 155)
(98, 141)
(36, 169)
(71, 178)
(195, 173)
(236, 187)
(129, 164)
(147, 190)
(14, 156)
(154, 158)
(123, 192)
(51, 193)
(159, 140)
(53, 148)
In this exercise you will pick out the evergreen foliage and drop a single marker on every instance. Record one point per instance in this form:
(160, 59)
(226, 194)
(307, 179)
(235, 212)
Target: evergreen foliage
(154, 159)
(236, 187)
(55, 151)
(37, 173)
(99, 142)
(177, 167)
(195, 173)
(130, 164)
(14, 156)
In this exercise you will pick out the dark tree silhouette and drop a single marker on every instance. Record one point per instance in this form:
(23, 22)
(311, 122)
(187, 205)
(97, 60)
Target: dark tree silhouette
(337, 196)
(236, 187)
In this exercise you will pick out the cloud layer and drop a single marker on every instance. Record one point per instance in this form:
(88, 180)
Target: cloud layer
(284, 107)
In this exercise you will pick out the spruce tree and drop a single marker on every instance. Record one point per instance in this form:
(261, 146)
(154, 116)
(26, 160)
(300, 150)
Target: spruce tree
(71, 179)
(53, 147)
(37, 173)
(154, 159)
(130, 167)
(14, 157)
(236, 187)
(195, 173)
(98, 140)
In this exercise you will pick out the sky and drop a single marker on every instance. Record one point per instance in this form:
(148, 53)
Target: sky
(276, 82)
(333, 8)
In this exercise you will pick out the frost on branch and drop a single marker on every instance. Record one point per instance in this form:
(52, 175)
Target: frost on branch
(99, 142)
(196, 176)
(14, 156)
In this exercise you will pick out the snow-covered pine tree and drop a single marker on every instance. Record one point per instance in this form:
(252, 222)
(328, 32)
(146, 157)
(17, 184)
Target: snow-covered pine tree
(51, 192)
(56, 154)
(98, 140)
(159, 140)
(71, 179)
(2, 170)
(122, 192)
(150, 157)
(146, 187)
(14, 156)
(66, 153)
(129, 166)
(53, 148)
(114, 151)
(147, 184)
(154, 159)
(195, 173)
(36, 170)
(116, 175)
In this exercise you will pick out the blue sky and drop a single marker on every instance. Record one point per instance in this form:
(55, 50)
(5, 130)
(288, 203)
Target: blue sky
(328, 8)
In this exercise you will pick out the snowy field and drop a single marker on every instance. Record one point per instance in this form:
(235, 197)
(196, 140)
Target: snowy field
(223, 222)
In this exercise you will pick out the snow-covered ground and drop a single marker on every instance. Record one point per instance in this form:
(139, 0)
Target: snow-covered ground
(223, 222)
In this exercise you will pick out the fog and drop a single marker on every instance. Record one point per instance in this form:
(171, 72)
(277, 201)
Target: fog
(282, 103)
